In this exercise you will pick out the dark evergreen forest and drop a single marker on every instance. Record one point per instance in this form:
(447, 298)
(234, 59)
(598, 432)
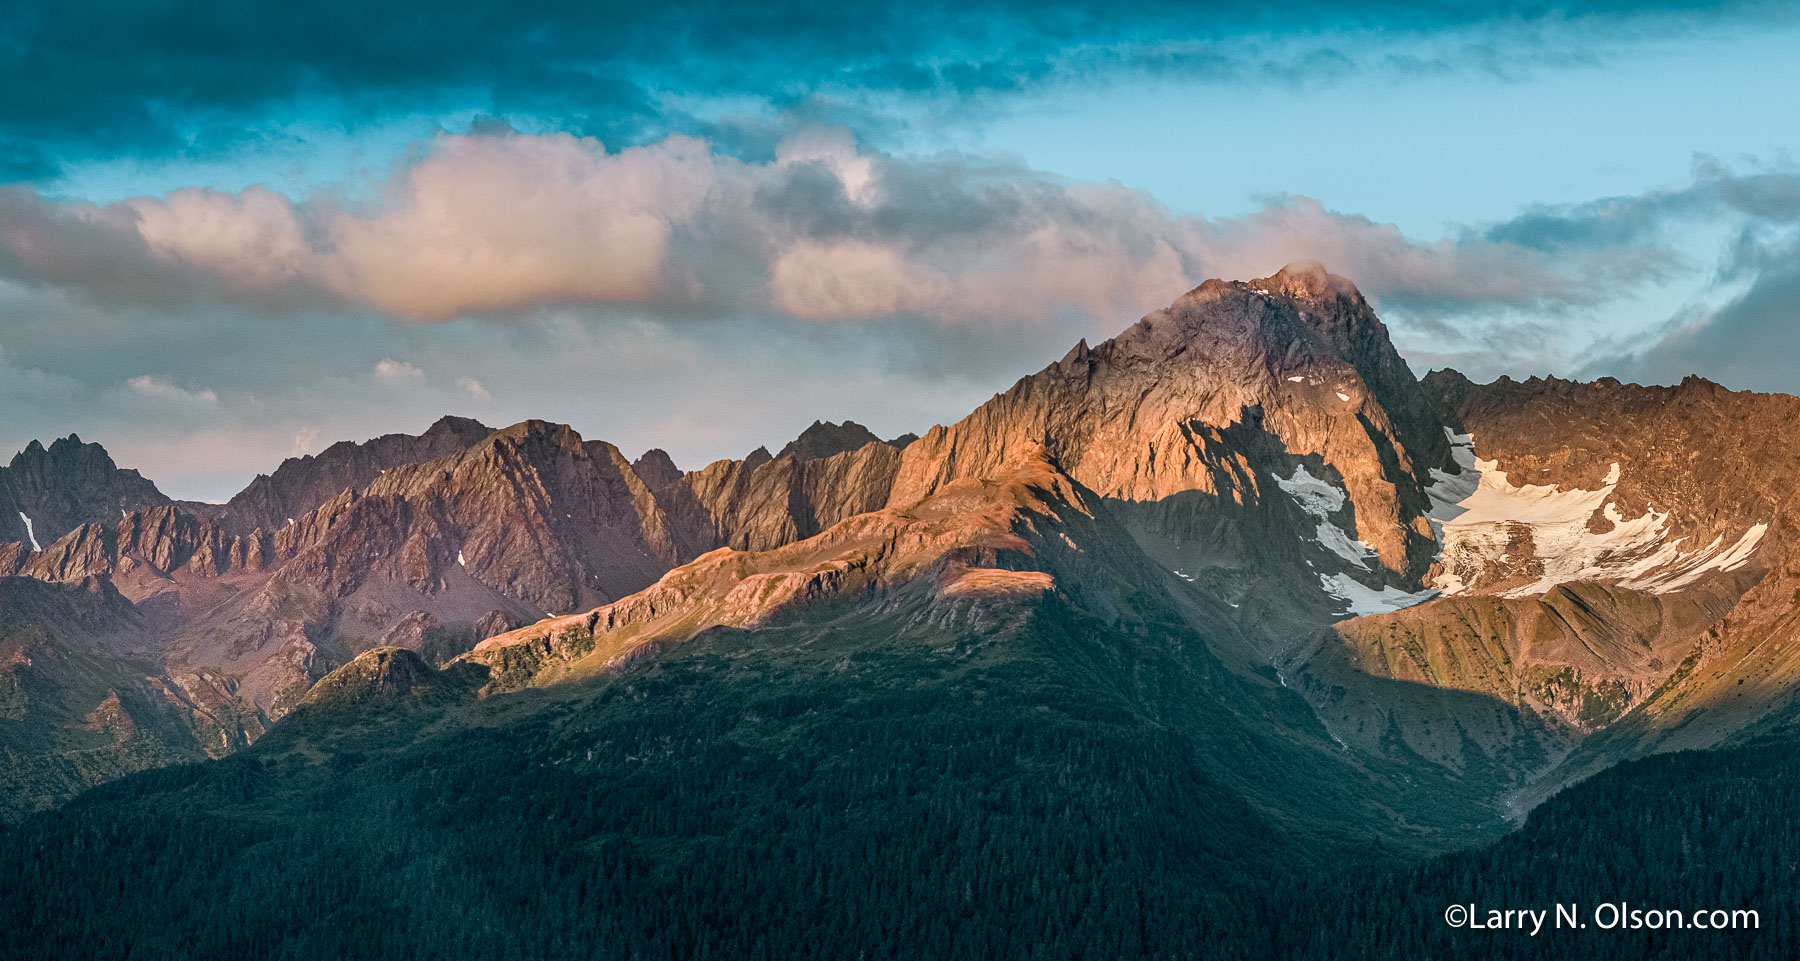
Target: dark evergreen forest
(887, 802)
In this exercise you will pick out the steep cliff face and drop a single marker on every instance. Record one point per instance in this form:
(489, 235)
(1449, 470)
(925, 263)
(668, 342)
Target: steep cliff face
(1614, 570)
(429, 554)
(1252, 434)
(824, 439)
(763, 502)
(47, 491)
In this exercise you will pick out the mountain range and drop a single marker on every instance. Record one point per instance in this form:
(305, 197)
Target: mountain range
(1235, 565)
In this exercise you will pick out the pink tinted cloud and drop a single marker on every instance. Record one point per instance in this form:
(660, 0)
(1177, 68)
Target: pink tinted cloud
(493, 224)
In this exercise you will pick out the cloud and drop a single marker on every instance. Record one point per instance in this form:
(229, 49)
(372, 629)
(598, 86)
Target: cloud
(495, 225)
(305, 441)
(397, 371)
(159, 389)
(1767, 194)
(473, 388)
(86, 78)
(1747, 342)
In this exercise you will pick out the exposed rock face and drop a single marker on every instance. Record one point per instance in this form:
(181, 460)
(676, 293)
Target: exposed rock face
(975, 551)
(1536, 674)
(1192, 426)
(1185, 428)
(760, 503)
(822, 440)
(301, 484)
(47, 491)
(1198, 418)
(657, 469)
(1615, 560)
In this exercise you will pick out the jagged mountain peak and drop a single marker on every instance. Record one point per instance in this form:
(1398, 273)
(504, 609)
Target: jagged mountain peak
(62, 450)
(823, 439)
(459, 426)
(1301, 303)
(536, 430)
(45, 492)
(657, 468)
(1288, 376)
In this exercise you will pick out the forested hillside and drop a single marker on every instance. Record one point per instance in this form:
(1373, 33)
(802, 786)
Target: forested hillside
(759, 796)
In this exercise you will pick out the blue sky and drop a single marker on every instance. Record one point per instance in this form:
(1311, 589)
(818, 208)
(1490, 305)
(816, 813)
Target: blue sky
(229, 237)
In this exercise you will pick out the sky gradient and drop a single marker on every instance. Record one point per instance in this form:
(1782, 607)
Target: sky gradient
(230, 237)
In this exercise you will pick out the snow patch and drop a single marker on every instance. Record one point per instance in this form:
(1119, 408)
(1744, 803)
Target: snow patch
(1295, 379)
(1363, 600)
(1479, 516)
(30, 532)
(460, 561)
(1321, 500)
(1343, 396)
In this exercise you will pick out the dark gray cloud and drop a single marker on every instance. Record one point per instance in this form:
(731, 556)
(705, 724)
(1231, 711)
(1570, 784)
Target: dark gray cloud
(82, 78)
(1716, 191)
(1748, 342)
(1743, 328)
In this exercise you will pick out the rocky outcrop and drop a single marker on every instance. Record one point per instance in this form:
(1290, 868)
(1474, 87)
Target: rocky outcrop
(45, 492)
(142, 550)
(1702, 469)
(1261, 440)
(761, 503)
(1574, 660)
(657, 469)
(1245, 469)
(384, 675)
(1613, 560)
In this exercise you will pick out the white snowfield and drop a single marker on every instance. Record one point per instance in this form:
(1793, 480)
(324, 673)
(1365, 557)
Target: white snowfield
(1476, 512)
